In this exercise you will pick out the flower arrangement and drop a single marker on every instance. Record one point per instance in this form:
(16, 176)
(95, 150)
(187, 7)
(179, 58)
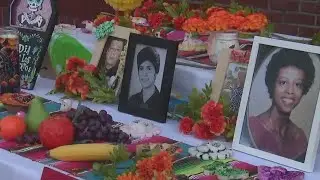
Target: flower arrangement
(206, 119)
(180, 16)
(156, 167)
(83, 81)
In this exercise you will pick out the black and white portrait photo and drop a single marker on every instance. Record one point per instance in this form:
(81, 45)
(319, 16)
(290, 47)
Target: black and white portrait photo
(281, 105)
(110, 58)
(148, 77)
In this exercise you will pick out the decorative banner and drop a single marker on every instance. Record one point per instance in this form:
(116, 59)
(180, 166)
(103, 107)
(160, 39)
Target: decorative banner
(35, 21)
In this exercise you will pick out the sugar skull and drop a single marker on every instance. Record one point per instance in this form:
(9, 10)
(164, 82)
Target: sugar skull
(34, 5)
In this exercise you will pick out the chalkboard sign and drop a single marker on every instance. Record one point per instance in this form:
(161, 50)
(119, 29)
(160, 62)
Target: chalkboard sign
(35, 21)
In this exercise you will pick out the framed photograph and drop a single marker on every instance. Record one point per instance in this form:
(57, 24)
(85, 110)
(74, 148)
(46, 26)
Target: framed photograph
(107, 54)
(230, 76)
(277, 118)
(148, 75)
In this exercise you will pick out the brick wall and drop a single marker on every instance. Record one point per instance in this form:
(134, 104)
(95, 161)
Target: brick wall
(294, 17)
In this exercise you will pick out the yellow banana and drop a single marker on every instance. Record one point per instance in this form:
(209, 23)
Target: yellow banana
(83, 152)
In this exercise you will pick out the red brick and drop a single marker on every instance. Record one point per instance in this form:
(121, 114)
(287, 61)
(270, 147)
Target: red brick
(311, 7)
(318, 20)
(307, 31)
(275, 17)
(1, 17)
(286, 29)
(299, 19)
(5, 3)
(287, 5)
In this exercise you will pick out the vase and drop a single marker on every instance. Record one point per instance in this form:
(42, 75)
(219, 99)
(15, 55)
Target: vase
(221, 40)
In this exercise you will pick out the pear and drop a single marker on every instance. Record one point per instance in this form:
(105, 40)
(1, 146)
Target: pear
(36, 114)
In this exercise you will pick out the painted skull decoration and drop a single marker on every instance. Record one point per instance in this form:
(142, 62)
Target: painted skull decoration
(34, 5)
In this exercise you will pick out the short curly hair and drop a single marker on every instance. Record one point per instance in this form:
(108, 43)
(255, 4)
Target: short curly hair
(287, 57)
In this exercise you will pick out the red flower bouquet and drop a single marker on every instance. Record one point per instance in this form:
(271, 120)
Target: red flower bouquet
(83, 80)
(204, 118)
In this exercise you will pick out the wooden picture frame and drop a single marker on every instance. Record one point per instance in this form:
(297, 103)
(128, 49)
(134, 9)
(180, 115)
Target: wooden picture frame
(115, 74)
(278, 119)
(230, 76)
(148, 76)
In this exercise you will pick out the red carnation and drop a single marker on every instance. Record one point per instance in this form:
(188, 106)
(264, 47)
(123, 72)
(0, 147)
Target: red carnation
(211, 110)
(178, 22)
(185, 125)
(74, 63)
(218, 126)
(201, 131)
(90, 68)
(156, 19)
(137, 12)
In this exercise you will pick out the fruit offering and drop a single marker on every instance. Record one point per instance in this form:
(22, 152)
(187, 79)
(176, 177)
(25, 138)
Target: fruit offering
(83, 152)
(28, 138)
(12, 127)
(36, 114)
(91, 125)
(56, 131)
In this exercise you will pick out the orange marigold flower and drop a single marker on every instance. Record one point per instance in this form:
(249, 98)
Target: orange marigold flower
(61, 81)
(129, 176)
(162, 162)
(77, 85)
(194, 24)
(144, 168)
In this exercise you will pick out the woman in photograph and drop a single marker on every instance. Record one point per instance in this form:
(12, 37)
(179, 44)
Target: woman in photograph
(289, 76)
(148, 62)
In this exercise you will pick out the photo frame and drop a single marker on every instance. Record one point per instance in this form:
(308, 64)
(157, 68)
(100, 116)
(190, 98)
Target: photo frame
(227, 86)
(277, 118)
(117, 41)
(148, 76)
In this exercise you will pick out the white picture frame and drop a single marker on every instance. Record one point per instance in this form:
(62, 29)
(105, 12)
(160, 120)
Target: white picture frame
(239, 141)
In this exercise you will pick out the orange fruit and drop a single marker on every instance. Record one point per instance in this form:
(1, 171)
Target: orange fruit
(12, 127)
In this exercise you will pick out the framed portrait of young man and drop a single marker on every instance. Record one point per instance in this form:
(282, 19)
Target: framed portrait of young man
(148, 76)
(107, 55)
(278, 118)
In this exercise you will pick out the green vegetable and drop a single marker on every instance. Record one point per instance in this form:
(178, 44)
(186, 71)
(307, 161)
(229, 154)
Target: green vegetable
(316, 39)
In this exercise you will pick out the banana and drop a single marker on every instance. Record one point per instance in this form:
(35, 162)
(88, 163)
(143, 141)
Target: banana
(83, 152)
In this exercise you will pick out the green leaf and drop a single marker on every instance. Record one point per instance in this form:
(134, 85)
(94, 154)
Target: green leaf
(183, 7)
(171, 11)
(267, 32)
(119, 154)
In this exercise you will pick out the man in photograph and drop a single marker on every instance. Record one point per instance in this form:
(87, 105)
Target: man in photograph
(112, 56)
(148, 62)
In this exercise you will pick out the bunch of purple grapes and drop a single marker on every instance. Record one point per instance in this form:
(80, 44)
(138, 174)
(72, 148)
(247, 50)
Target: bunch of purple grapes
(28, 138)
(91, 125)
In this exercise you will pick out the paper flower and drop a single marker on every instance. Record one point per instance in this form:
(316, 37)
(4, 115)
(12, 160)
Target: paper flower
(73, 63)
(201, 131)
(185, 125)
(278, 173)
(104, 29)
(211, 111)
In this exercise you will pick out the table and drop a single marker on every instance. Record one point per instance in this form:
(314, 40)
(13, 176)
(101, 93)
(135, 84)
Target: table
(14, 167)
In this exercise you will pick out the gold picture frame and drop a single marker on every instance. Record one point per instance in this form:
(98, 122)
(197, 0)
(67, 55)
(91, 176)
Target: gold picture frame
(101, 47)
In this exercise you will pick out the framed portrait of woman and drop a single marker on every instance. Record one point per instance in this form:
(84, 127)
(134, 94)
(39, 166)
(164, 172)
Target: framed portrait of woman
(148, 76)
(107, 55)
(277, 118)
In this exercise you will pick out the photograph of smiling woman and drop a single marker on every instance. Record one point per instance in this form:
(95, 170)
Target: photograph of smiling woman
(148, 63)
(289, 76)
